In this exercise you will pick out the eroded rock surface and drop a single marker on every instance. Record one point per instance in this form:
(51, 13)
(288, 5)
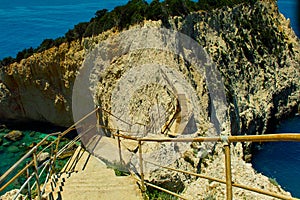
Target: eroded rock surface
(254, 49)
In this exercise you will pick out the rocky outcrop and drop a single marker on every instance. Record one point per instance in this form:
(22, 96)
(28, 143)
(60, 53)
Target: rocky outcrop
(242, 173)
(11, 194)
(252, 45)
(14, 135)
(258, 55)
(39, 88)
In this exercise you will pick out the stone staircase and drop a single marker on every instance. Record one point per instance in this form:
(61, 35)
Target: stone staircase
(86, 177)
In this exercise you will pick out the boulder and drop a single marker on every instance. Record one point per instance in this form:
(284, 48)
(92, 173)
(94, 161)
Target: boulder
(43, 156)
(14, 135)
(10, 195)
(13, 149)
(6, 144)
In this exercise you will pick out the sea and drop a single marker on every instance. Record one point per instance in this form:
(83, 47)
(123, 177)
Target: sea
(25, 24)
(281, 160)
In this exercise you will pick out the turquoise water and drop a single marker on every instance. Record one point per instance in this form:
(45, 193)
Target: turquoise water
(12, 151)
(281, 160)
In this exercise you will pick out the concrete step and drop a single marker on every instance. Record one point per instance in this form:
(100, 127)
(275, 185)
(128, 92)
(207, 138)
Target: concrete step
(93, 180)
(90, 181)
(98, 182)
(88, 188)
(85, 176)
(109, 195)
(110, 191)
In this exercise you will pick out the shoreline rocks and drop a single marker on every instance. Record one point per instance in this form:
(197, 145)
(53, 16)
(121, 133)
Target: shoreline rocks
(14, 135)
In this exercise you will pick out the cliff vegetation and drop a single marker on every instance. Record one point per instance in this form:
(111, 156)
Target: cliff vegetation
(121, 17)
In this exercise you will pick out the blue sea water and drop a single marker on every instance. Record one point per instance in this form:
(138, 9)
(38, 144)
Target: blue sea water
(25, 24)
(289, 8)
(281, 160)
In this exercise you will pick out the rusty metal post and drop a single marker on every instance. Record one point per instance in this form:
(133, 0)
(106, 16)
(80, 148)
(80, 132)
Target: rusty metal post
(141, 168)
(28, 185)
(98, 115)
(228, 172)
(55, 155)
(120, 150)
(36, 172)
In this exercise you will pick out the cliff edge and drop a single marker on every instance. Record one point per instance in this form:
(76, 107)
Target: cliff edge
(252, 45)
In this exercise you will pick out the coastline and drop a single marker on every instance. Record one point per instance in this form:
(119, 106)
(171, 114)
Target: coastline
(247, 113)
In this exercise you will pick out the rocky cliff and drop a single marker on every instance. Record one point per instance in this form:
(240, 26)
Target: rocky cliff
(40, 88)
(252, 45)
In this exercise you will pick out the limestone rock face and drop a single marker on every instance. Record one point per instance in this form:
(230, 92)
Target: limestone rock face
(258, 55)
(39, 88)
(253, 47)
(242, 173)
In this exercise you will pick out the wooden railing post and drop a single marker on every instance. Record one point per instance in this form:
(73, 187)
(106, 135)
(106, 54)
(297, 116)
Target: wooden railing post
(141, 168)
(228, 172)
(36, 173)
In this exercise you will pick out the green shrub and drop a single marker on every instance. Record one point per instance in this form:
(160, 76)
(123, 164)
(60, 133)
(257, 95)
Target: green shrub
(273, 181)
(155, 194)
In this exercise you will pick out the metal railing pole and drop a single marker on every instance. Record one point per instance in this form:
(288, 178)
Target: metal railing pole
(120, 150)
(141, 168)
(55, 155)
(228, 172)
(28, 185)
(35, 162)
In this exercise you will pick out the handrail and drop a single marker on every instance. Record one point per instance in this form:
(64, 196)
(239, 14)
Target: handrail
(76, 123)
(225, 139)
(167, 191)
(223, 182)
(29, 153)
(290, 137)
(33, 151)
